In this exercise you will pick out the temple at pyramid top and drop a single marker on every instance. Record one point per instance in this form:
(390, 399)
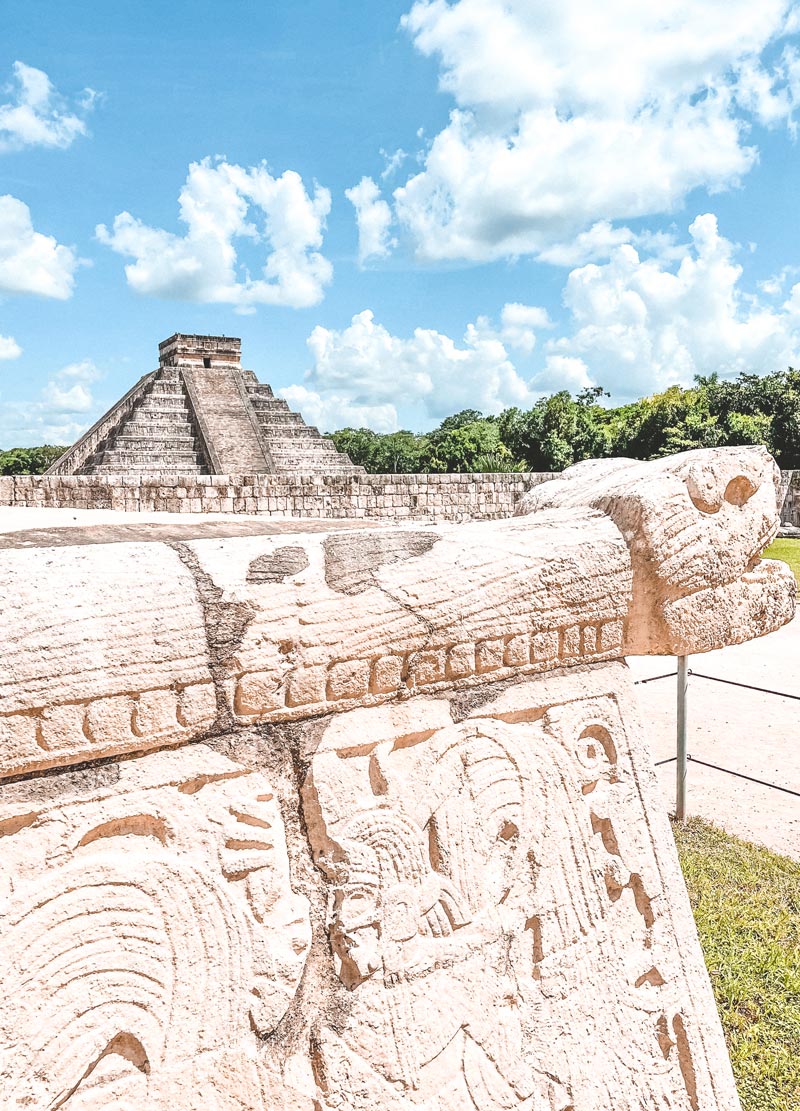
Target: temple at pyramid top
(200, 413)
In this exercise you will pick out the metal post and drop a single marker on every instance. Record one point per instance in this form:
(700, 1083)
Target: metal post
(680, 786)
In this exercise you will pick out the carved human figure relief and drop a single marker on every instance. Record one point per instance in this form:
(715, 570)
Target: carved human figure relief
(494, 894)
(148, 935)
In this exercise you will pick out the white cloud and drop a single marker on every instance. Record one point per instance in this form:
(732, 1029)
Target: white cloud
(65, 408)
(574, 115)
(9, 348)
(37, 115)
(563, 372)
(392, 161)
(331, 411)
(597, 242)
(519, 324)
(641, 324)
(374, 218)
(31, 262)
(359, 372)
(644, 320)
(221, 203)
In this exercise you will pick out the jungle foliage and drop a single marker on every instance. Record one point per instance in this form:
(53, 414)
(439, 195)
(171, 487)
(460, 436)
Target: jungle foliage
(29, 460)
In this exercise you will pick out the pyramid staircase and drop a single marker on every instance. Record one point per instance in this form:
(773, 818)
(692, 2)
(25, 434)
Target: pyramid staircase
(200, 413)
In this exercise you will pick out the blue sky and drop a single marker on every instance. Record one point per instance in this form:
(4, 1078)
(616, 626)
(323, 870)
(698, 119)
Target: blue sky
(402, 208)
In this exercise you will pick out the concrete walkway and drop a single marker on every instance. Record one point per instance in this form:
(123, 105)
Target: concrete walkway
(744, 730)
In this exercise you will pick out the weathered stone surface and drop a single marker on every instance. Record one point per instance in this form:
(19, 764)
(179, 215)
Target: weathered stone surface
(418, 860)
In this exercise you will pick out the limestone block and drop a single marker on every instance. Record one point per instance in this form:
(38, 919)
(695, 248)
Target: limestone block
(149, 936)
(19, 737)
(155, 713)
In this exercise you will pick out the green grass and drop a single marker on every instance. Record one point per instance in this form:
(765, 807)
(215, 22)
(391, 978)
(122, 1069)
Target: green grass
(788, 551)
(746, 903)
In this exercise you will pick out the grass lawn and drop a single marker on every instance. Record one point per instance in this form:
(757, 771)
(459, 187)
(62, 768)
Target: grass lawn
(787, 550)
(746, 903)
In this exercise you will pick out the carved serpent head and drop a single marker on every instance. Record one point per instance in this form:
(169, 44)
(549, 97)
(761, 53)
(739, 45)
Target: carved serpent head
(695, 525)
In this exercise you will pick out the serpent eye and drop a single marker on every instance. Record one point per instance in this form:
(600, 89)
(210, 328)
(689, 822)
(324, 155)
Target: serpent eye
(740, 489)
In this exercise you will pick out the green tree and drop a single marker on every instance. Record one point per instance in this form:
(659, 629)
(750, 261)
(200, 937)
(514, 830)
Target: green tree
(361, 444)
(29, 460)
(457, 447)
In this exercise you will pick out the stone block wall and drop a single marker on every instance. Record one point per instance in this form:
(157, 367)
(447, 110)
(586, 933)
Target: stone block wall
(446, 497)
(790, 511)
(442, 497)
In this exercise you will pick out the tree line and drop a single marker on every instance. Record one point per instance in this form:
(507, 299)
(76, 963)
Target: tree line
(29, 460)
(561, 429)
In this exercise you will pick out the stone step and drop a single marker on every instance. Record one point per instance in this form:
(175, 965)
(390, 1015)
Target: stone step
(279, 416)
(166, 389)
(312, 446)
(162, 403)
(252, 384)
(127, 442)
(125, 459)
(144, 426)
(168, 374)
(276, 404)
(148, 469)
(313, 465)
(303, 468)
(288, 431)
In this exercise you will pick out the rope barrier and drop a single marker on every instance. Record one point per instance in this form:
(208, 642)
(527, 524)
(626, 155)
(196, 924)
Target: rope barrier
(741, 775)
(717, 679)
(747, 686)
(718, 767)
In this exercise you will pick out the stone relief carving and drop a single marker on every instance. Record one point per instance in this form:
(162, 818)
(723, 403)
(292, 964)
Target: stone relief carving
(494, 895)
(148, 935)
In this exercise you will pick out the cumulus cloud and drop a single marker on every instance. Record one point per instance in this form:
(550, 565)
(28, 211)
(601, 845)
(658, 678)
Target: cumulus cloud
(571, 116)
(330, 411)
(359, 372)
(37, 115)
(221, 203)
(9, 348)
(65, 408)
(641, 324)
(31, 262)
(374, 218)
(520, 323)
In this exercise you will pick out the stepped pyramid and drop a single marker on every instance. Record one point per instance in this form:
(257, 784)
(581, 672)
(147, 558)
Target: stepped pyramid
(200, 413)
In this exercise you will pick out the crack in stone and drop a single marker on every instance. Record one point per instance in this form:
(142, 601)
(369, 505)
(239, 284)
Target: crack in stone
(225, 624)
